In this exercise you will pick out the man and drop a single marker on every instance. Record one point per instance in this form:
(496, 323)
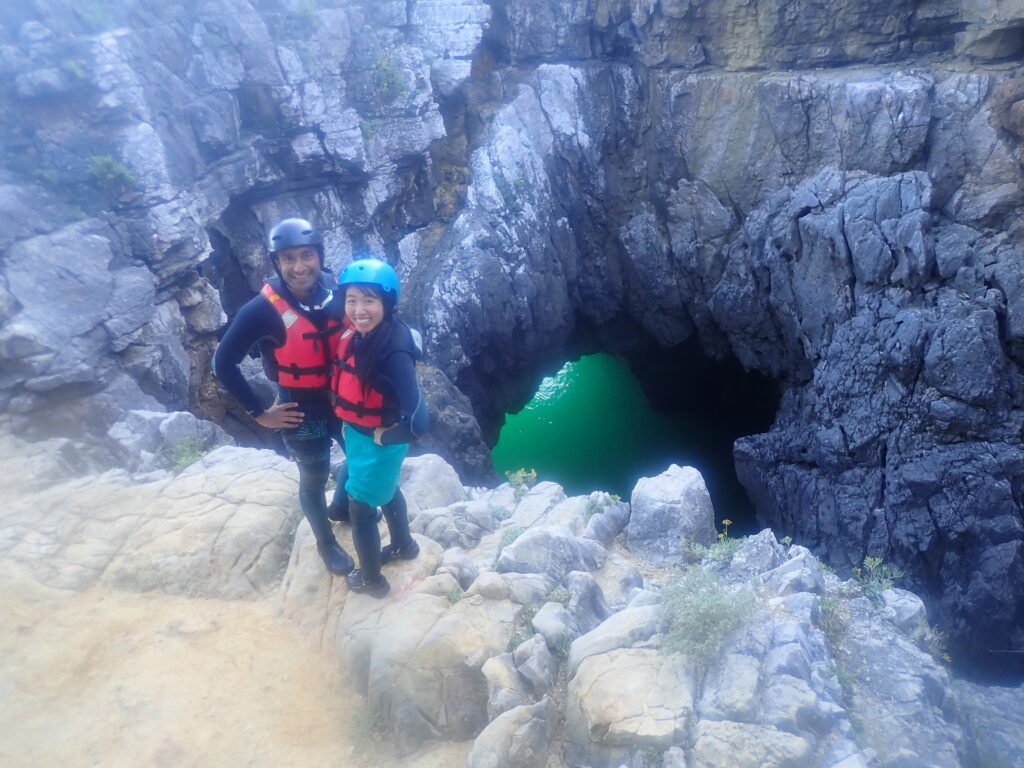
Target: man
(297, 338)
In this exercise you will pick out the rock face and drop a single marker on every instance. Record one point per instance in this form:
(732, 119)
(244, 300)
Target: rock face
(827, 193)
(220, 528)
(822, 672)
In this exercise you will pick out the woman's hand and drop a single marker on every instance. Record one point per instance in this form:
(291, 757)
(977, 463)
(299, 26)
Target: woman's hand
(281, 416)
(378, 433)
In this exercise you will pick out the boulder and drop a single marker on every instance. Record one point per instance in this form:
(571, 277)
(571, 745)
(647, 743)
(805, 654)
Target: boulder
(506, 688)
(724, 744)
(518, 738)
(628, 699)
(536, 665)
(669, 513)
(551, 550)
(429, 482)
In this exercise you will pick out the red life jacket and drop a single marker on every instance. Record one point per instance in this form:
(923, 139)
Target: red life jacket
(351, 403)
(304, 360)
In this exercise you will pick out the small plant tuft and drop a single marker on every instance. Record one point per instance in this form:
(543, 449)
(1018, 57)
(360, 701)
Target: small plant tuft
(936, 643)
(846, 683)
(835, 618)
(76, 69)
(876, 577)
(722, 550)
(699, 613)
(599, 504)
(521, 481)
(391, 81)
(110, 174)
(185, 453)
(523, 629)
(369, 127)
(559, 595)
(455, 595)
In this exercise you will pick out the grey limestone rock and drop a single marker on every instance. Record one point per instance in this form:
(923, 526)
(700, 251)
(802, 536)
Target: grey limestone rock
(668, 513)
(457, 563)
(994, 715)
(537, 666)
(605, 525)
(506, 687)
(518, 738)
(800, 573)
(551, 550)
(627, 699)
(150, 439)
(556, 625)
(625, 629)
(586, 602)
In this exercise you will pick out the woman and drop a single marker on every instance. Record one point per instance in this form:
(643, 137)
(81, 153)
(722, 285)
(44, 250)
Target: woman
(375, 394)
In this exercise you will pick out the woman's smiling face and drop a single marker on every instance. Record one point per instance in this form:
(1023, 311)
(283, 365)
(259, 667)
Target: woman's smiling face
(364, 310)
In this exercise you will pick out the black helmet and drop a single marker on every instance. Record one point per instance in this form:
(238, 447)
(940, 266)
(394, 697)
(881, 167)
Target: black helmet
(294, 232)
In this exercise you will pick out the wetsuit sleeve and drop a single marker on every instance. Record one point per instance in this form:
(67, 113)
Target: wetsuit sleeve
(255, 322)
(399, 370)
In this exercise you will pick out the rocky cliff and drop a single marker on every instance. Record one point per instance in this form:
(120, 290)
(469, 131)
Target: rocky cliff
(540, 629)
(824, 192)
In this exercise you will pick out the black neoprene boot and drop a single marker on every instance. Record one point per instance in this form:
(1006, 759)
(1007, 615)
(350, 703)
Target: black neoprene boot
(403, 546)
(367, 579)
(337, 510)
(337, 560)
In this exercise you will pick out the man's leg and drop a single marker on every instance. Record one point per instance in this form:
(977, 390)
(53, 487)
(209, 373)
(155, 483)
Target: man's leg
(337, 510)
(313, 457)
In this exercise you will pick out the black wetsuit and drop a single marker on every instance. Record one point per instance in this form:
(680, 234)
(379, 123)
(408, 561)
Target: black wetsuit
(258, 323)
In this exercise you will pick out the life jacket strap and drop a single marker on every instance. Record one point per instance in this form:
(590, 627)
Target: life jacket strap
(296, 370)
(343, 364)
(359, 409)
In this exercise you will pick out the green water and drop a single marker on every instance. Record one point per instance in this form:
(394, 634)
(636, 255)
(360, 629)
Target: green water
(590, 428)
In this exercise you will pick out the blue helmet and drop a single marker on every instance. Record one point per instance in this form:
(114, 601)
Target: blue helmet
(371, 272)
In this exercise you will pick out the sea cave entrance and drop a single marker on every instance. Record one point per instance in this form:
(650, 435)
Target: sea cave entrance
(600, 423)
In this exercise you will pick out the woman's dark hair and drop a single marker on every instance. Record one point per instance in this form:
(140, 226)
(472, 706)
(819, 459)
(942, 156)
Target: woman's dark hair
(370, 347)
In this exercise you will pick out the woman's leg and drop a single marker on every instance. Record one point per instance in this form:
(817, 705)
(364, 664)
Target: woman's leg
(366, 537)
(402, 545)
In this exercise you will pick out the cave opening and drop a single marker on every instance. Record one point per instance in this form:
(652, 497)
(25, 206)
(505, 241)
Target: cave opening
(603, 421)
